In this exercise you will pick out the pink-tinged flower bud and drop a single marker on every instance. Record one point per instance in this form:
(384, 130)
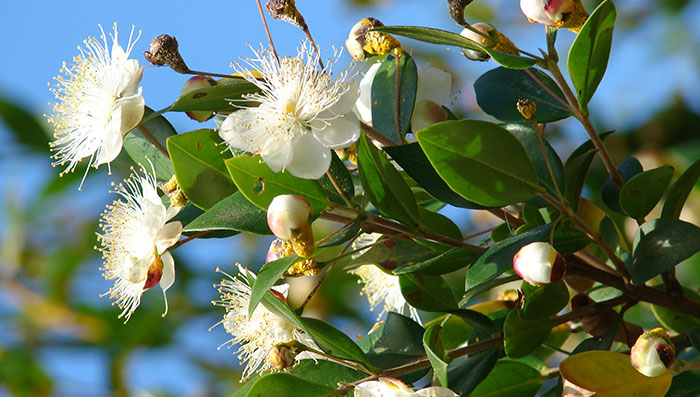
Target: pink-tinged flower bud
(287, 215)
(568, 14)
(493, 39)
(653, 353)
(539, 263)
(196, 83)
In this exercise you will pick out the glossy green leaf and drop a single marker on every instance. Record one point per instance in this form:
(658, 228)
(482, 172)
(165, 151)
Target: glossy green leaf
(268, 275)
(610, 374)
(27, 129)
(455, 332)
(332, 341)
(435, 349)
(543, 301)
(394, 253)
(446, 262)
(522, 337)
(199, 167)
(384, 96)
(640, 193)
(325, 372)
(342, 177)
(589, 53)
(216, 98)
(344, 236)
(498, 90)
(427, 292)
(466, 372)
(481, 161)
(437, 223)
(279, 384)
(675, 320)
(438, 36)
(260, 184)
(509, 379)
(384, 186)
(661, 244)
(477, 289)
(232, 213)
(139, 145)
(685, 384)
(610, 192)
(575, 170)
(412, 159)
(478, 321)
(678, 193)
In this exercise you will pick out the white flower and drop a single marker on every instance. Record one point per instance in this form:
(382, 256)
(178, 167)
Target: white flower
(303, 113)
(433, 90)
(256, 335)
(391, 387)
(134, 242)
(98, 103)
(379, 286)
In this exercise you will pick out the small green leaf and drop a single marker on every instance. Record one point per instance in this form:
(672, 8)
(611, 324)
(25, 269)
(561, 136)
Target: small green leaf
(432, 342)
(522, 337)
(675, 320)
(589, 53)
(679, 191)
(268, 275)
(478, 321)
(332, 341)
(437, 36)
(455, 332)
(384, 186)
(610, 192)
(260, 184)
(446, 262)
(393, 253)
(685, 384)
(28, 129)
(576, 169)
(509, 379)
(412, 159)
(481, 161)
(325, 372)
(142, 149)
(232, 213)
(544, 301)
(660, 245)
(640, 193)
(199, 167)
(216, 98)
(466, 372)
(437, 223)
(498, 90)
(343, 236)
(384, 96)
(279, 384)
(426, 292)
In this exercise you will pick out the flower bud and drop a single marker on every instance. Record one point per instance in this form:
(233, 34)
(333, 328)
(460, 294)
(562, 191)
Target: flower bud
(526, 108)
(362, 41)
(494, 39)
(164, 51)
(653, 353)
(195, 83)
(539, 263)
(288, 217)
(286, 10)
(305, 267)
(456, 10)
(568, 14)
(283, 355)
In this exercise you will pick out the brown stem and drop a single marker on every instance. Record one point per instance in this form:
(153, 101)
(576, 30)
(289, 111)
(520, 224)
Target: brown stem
(267, 31)
(205, 74)
(545, 88)
(592, 309)
(188, 239)
(376, 135)
(540, 137)
(339, 190)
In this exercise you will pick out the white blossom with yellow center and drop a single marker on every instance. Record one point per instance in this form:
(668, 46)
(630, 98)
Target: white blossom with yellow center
(98, 103)
(381, 287)
(304, 113)
(135, 237)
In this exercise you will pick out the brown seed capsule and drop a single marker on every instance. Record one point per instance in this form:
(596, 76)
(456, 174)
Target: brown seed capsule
(164, 51)
(286, 10)
(456, 10)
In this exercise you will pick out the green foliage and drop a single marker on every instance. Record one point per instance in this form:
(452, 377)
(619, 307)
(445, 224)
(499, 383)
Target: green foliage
(234, 212)
(522, 336)
(509, 378)
(432, 342)
(640, 193)
(147, 142)
(395, 101)
(216, 98)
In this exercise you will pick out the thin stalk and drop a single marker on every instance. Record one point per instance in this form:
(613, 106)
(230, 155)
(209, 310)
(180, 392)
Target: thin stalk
(343, 362)
(339, 190)
(540, 137)
(205, 74)
(188, 239)
(376, 135)
(267, 31)
(328, 237)
(153, 115)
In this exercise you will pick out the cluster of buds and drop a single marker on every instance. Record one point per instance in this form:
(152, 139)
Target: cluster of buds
(362, 41)
(172, 189)
(539, 263)
(289, 218)
(193, 84)
(280, 249)
(490, 38)
(568, 14)
(653, 354)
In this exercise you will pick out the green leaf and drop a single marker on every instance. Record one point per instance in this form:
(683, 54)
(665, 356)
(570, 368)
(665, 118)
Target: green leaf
(432, 342)
(675, 320)
(478, 321)
(640, 193)
(544, 301)
(27, 128)
(466, 372)
(342, 177)
(610, 374)
(232, 213)
(509, 379)
(268, 275)
(588, 55)
(325, 372)
(412, 159)
(384, 96)
(343, 236)
(426, 292)
(610, 192)
(576, 169)
(384, 186)
(142, 149)
(481, 161)
(498, 90)
(446, 262)
(679, 191)
(437, 36)
(685, 384)
(216, 98)
(260, 184)
(437, 223)
(279, 384)
(199, 167)
(660, 245)
(522, 337)
(455, 332)
(393, 253)
(332, 341)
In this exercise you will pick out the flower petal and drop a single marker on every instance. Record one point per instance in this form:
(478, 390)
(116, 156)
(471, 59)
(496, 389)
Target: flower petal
(347, 100)
(168, 277)
(434, 85)
(277, 153)
(363, 105)
(132, 109)
(425, 114)
(339, 132)
(112, 140)
(233, 126)
(168, 235)
(311, 159)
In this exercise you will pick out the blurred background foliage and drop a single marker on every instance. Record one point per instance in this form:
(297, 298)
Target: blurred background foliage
(58, 338)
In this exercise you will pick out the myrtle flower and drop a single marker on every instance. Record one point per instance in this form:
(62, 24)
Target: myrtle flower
(259, 334)
(304, 112)
(392, 387)
(135, 237)
(433, 91)
(99, 101)
(381, 287)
